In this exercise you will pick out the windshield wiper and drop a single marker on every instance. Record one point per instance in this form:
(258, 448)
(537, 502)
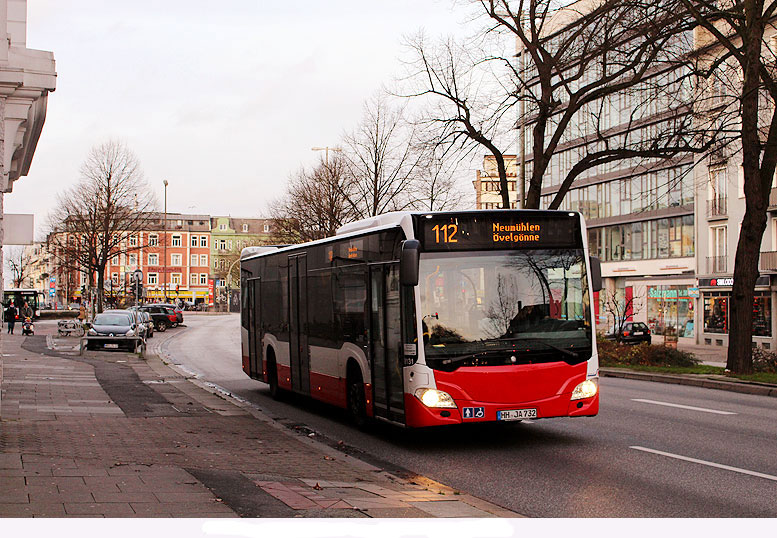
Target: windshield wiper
(462, 358)
(566, 352)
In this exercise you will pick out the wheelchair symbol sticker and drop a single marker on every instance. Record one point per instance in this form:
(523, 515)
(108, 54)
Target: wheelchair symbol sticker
(473, 412)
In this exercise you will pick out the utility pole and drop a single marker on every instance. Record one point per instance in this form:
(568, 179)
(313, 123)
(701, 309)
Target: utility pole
(164, 238)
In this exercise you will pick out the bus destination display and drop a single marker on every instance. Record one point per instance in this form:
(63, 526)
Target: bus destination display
(474, 232)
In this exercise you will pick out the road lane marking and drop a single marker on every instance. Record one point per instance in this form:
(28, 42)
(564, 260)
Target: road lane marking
(703, 409)
(704, 462)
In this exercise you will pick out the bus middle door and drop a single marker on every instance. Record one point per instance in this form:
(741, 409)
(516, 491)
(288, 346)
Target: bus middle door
(299, 355)
(385, 343)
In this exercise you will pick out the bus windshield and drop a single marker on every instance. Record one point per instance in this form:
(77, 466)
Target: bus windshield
(503, 307)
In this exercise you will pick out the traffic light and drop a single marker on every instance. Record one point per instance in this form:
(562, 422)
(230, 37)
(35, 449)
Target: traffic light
(83, 290)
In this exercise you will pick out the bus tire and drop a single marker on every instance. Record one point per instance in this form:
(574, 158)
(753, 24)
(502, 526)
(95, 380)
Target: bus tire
(357, 403)
(272, 376)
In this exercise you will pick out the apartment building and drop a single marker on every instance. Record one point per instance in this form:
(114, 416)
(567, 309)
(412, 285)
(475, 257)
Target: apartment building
(174, 258)
(229, 236)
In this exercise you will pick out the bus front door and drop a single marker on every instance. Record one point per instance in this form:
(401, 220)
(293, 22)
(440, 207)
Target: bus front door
(386, 343)
(298, 320)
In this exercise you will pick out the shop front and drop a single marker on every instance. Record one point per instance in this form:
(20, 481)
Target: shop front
(670, 310)
(716, 311)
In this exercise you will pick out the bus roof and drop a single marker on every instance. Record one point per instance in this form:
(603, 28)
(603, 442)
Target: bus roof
(33, 290)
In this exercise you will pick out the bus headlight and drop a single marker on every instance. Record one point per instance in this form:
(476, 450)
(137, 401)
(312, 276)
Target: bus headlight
(586, 389)
(435, 398)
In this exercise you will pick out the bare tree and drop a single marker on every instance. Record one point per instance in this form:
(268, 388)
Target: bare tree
(740, 34)
(95, 218)
(460, 115)
(573, 63)
(436, 178)
(315, 204)
(19, 261)
(382, 161)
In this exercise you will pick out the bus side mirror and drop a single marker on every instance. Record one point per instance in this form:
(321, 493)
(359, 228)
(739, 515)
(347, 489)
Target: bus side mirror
(408, 262)
(596, 273)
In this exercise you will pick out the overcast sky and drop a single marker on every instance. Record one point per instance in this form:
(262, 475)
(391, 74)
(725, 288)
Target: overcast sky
(222, 99)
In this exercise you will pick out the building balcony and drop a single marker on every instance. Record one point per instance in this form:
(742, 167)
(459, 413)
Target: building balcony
(717, 264)
(768, 261)
(717, 208)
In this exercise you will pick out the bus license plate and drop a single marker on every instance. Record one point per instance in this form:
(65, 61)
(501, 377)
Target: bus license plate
(516, 414)
(112, 346)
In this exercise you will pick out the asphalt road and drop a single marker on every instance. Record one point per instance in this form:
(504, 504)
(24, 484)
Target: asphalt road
(655, 450)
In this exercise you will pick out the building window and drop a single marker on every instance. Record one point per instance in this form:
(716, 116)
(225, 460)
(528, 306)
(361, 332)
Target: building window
(266, 228)
(203, 240)
(114, 278)
(203, 260)
(133, 260)
(153, 240)
(153, 259)
(175, 259)
(133, 240)
(245, 227)
(194, 240)
(716, 312)
(176, 240)
(222, 244)
(153, 279)
(203, 278)
(194, 260)
(229, 244)
(175, 279)
(193, 278)
(222, 227)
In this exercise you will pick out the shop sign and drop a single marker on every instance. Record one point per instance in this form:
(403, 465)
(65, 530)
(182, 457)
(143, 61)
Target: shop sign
(727, 282)
(693, 293)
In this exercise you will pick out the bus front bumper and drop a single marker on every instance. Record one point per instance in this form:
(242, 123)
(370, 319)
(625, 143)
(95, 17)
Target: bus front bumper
(418, 415)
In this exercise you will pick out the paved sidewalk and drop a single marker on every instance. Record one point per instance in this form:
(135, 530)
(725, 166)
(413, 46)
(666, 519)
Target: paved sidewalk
(111, 435)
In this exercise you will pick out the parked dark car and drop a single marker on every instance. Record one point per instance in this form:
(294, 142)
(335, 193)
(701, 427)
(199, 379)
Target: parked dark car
(178, 312)
(136, 319)
(162, 316)
(633, 332)
(145, 317)
(116, 328)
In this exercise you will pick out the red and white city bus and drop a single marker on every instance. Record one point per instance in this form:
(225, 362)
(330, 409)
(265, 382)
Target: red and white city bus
(425, 319)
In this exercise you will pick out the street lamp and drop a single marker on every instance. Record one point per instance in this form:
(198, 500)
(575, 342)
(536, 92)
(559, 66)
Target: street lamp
(164, 239)
(326, 149)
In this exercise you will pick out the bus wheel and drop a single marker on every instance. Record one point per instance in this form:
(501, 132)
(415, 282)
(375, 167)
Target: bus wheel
(357, 405)
(272, 378)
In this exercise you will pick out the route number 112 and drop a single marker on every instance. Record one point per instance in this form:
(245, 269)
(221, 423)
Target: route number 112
(446, 232)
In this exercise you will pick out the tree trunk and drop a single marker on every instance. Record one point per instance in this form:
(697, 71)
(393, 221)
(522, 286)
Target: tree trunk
(740, 349)
(504, 188)
(740, 346)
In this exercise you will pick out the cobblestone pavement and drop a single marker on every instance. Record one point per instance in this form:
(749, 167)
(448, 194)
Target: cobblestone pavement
(108, 434)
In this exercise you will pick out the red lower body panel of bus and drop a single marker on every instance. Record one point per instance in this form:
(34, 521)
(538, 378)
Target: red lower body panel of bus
(480, 393)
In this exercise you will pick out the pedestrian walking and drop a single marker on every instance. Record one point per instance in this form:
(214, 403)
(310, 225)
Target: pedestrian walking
(10, 317)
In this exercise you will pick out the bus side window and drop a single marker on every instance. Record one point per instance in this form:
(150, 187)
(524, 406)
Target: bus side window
(350, 301)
